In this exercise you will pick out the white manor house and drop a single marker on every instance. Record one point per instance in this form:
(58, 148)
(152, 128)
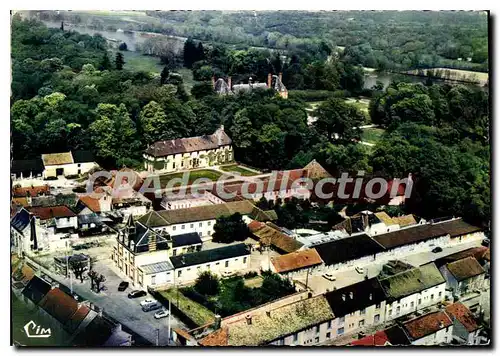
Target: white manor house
(188, 153)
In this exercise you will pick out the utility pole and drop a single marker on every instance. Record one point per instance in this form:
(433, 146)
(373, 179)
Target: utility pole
(307, 277)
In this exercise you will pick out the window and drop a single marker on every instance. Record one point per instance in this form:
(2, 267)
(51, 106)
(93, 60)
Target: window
(329, 325)
(419, 301)
(376, 319)
(398, 310)
(440, 293)
(295, 337)
(209, 223)
(179, 273)
(189, 269)
(340, 331)
(412, 304)
(377, 306)
(432, 296)
(174, 252)
(328, 335)
(218, 263)
(362, 312)
(317, 329)
(342, 320)
(191, 226)
(244, 260)
(317, 339)
(183, 226)
(198, 268)
(361, 323)
(227, 263)
(208, 266)
(153, 280)
(200, 224)
(174, 227)
(390, 312)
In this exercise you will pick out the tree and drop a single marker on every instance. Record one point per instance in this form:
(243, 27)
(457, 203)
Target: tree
(119, 61)
(123, 47)
(207, 284)
(164, 75)
(230, 228)
(153, 122)
(190, 52)
(338, 121)
(78, 266)
(62, 26)
(200, 90)
(105, 62)
(96, 279)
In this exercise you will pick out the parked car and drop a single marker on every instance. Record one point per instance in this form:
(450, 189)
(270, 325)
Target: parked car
(330, 277)
(228, 274)
(360, 270)
(161, 314)
(150, 305)
(122, 286)
(137, 294)
(437, 249)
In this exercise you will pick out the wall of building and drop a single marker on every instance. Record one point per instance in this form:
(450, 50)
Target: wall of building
(442, 336)
(308, 337)
(69, 169)
(189, 160)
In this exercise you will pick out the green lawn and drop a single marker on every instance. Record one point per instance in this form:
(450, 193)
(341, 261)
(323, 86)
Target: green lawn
(193, 175)
(187, 77)
(196, 312)
(372, 135)
(136, 61)
(255, 282)
(238, 169)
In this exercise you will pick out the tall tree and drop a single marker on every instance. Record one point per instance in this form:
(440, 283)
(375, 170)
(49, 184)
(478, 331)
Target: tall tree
(164, 75)
(105, 62)
(190, 53)
(230, 228)
(119, 61)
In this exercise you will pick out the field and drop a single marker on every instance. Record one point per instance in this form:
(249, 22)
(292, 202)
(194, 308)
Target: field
(255, 282)
(372, 134)
(455, 74)
(187, 76)
(135, 61)
(193, 175)
(194, 311)
(238, 169)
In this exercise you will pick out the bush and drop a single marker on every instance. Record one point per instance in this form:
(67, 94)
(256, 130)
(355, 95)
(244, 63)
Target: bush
(251, 274)
(207, 284)
(316, 95)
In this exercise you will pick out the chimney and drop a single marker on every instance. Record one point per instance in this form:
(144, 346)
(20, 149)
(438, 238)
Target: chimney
(441, 324)
(269, 80)
(229, 84)
(213, 81)
(351, 295)
(249, 319)
(217, 321)
(281, 77)
(343, 297)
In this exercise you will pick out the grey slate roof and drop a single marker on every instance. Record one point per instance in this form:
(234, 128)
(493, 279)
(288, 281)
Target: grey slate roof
(157, 267)
(216, 254)
(21, 220)
(36, 289)
(190, 238)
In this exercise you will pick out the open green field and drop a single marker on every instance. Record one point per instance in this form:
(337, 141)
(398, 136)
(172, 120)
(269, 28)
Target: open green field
(238, 169)
(196, 312)
(255, 282)
(456, 74)
(136, 61)
(192, 176)
(372, 134)
(187, 77)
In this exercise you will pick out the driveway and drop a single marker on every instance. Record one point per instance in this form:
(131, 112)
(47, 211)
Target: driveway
(118, 306)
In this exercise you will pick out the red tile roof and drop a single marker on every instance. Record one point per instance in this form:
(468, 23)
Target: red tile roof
(296, 260)
(465, 268)
(427, 324)
(31, 191)
(91, 203)
(217, 338)
(60, 305)
(463, 315)
(378, 339)
(45, 213)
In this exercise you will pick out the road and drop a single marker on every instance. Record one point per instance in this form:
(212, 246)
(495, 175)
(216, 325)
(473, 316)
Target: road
(319, 284)
(117, 305)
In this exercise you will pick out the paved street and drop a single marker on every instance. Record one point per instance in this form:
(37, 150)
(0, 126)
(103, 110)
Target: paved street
(117, 305)
(319, 284)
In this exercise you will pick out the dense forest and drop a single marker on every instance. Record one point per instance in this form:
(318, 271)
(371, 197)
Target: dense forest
(69, 92)
(378, 39)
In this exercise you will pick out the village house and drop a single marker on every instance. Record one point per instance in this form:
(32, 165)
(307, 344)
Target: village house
(67, 164)
(201, 219)
(295, 263)
(432, 329)
(189, 153)
(173, 201)
(25, 233)
(27, 172)
(412, 290)
(272, 236)
(463, 276)
(392, 336)
(466, 330)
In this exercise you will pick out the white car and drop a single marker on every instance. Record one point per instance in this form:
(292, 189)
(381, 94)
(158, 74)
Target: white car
(161, 314)
(330, 277)
(147, 301)
(227, 274)
(360, 270)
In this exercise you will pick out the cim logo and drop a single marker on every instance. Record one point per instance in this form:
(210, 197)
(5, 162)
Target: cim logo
(33, 330)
